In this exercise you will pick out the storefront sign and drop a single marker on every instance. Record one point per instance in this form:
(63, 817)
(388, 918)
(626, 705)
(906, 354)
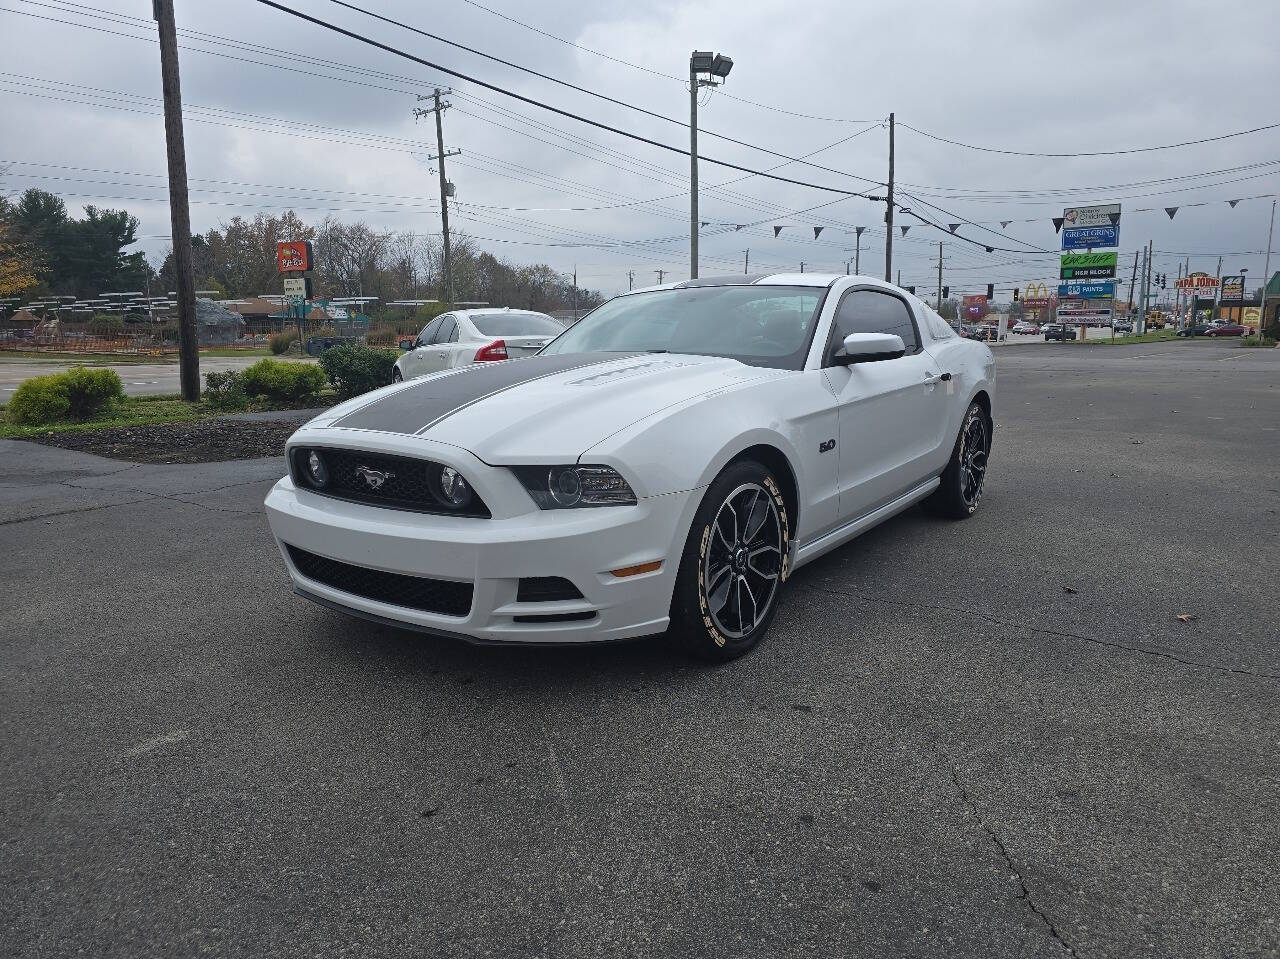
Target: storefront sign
(293, 257)
(1232, 289)
(1036, 295)
(1090, 216)
(1088, 266)
(1086, 291)
(1084, 238)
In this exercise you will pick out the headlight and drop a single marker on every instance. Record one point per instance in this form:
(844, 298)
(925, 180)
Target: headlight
(568, 487)
(317, 472)
(455, 490)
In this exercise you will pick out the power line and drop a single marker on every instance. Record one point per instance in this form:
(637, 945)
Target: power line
(564, 83)
(1095, 153)
(666, 76)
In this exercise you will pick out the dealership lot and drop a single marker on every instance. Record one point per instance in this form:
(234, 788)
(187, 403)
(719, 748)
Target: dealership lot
(989, 738)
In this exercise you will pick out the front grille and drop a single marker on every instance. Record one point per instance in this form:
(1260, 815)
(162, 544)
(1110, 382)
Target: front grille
(410, 484)
(545, 589)
(556, 617)
(413, 592)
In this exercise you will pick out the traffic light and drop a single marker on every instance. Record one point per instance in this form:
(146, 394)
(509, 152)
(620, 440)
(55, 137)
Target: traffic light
(946, 292)
(1015, 294)
(991, 291)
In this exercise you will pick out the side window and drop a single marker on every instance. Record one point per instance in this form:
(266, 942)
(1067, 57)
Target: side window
(428, 332)
(448, 331)
(870, 311)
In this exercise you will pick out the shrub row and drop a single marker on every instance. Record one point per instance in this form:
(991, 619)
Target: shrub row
(77, 393)
(279, 342)
(357, 369)
(282, 381)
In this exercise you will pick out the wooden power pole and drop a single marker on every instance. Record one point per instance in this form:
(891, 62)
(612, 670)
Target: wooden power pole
(438, 109)
(179, 208)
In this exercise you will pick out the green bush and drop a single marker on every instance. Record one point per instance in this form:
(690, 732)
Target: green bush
(357, 369)
(1265, 342)
(279, 342)
(105, 324)
(282, 381)
(225, 391)
(76, 394)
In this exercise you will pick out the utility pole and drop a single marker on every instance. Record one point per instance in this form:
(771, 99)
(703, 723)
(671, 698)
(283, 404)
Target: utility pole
(179, 209)
(857, 249)
(1133, 280)
(888, 212)
(939, 276)
(847, 264)
(1217, 293)
(746, 262)
(575, 293)
(1266, 270)
(1151, 262)
(899, 278)
(693, 173)
(438, 109)
(631, 279)
(1142, 297)
(802, 266)
(661, 274)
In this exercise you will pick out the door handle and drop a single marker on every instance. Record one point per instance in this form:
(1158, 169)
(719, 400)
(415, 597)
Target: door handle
(930, 379)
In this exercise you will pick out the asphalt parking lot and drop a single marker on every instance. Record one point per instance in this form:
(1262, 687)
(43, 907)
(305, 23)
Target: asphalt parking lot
(988, 738)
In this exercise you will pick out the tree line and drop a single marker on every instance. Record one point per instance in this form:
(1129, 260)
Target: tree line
(45, 250)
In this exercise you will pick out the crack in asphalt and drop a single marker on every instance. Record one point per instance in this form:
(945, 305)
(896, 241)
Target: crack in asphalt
(1025, 893)
(1062, 634)
(147, 496)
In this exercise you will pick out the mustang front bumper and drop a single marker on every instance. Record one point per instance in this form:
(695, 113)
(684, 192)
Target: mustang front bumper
(492, 556)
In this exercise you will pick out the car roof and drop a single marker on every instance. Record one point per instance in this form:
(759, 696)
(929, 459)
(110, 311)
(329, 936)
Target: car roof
(815, 280)
(499, 309)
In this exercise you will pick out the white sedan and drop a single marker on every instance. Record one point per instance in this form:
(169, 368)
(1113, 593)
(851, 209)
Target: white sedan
(474, 336)
(664, 464)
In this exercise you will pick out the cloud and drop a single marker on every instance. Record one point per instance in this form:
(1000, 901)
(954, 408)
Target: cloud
(306, 131)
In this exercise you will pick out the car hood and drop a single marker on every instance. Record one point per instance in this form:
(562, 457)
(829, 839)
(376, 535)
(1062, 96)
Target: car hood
(541, 408)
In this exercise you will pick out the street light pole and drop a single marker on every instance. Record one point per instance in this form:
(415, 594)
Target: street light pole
(1266, 271)
(693, 167)
(716, 66)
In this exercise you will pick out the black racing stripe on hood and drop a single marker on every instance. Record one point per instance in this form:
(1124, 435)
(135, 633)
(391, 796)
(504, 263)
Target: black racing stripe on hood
(421, 404)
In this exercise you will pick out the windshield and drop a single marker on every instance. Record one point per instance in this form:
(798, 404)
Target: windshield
(515, 324)
(758, 325)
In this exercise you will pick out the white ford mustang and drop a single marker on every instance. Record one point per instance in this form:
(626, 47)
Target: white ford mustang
(664, 464)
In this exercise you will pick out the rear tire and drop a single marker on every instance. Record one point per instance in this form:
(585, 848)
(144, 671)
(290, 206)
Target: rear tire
(733, 567)
(960, 489)
(396, 376)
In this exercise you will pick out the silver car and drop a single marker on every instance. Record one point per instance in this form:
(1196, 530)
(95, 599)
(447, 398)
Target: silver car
(463, 337)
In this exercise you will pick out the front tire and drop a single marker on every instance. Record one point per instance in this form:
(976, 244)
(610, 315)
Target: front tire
(960, 490)
(733, 566)
(396, 375)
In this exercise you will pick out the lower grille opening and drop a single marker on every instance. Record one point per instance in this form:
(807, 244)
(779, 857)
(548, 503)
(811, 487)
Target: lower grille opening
(545, 589)
(556, 617)
(398, 589)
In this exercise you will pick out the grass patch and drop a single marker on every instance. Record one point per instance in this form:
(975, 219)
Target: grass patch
(119, 359)
(1258, 342)
(147, 410)
(1155, 336)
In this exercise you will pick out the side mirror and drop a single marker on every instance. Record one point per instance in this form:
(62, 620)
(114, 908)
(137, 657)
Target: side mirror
(870, 347)
(406, 345)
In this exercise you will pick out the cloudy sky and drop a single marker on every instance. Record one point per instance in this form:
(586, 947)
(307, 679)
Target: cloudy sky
(283, 114)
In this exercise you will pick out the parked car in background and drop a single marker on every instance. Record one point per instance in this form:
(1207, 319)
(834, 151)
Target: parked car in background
(463, 337)
(1199, 329)
(1121, 326)
(1057, 331)
(986, 331)
(1026, 328)
(1228, 329)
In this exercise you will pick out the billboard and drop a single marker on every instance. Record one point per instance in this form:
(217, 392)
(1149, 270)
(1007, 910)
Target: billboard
(1089, 216)
(1086, 237)
(1232, 289)
(1036, 295)
(297, 288)
(1200, 285)
(974, 306)
(1086, 291)
(293, 257)
(1088, 266)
